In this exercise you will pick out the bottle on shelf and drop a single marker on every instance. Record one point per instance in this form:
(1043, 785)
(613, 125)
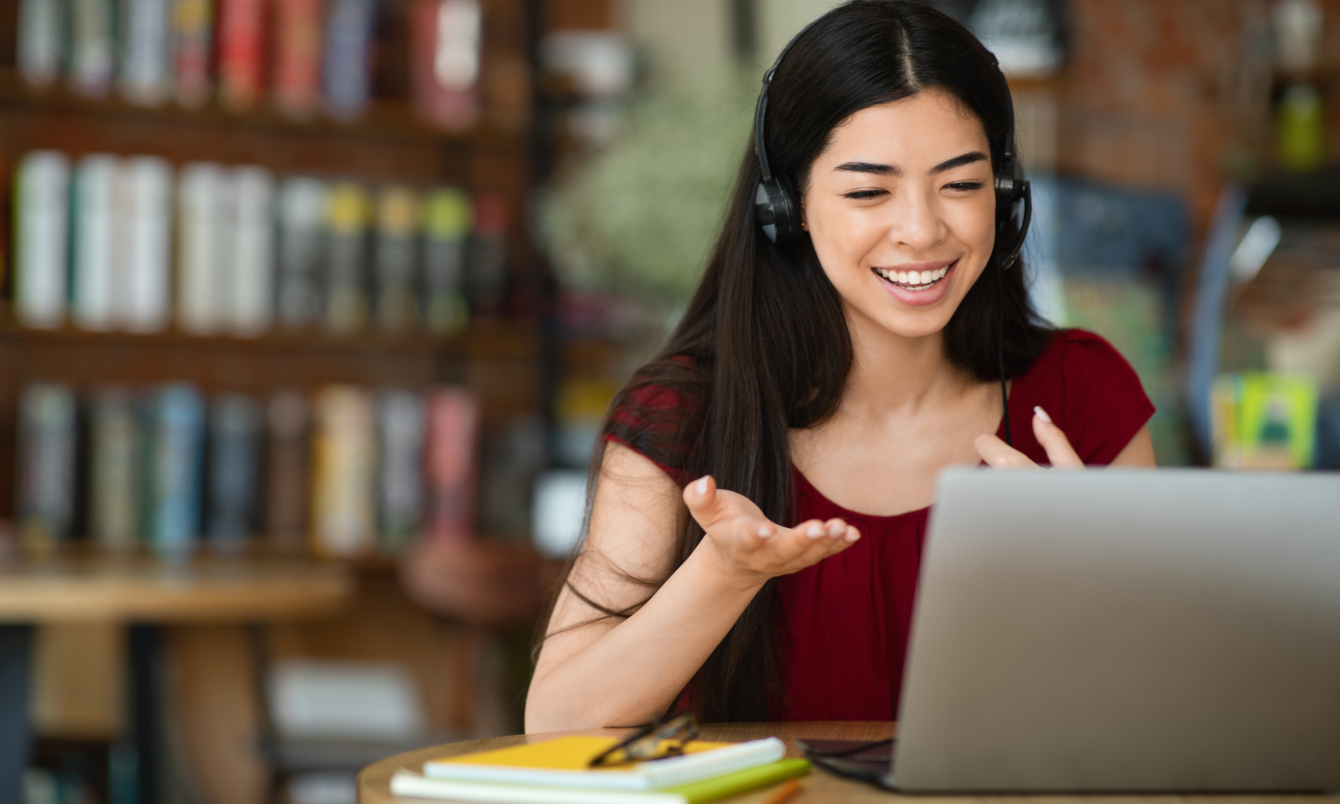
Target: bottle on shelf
(401, 429)
(92, 47)
(192, 51)
(447, 217)
(142, 221)
(303, 211)
(453, 439)
(241, 52)
(347, 60)
(346, 302)
(93, 260)
(174, 464)
(344, 457)
(297, 56)
(47, 432)
(253, 267)
(146, 37)
(445, 61)
(234, 470)
(116, 468)
(42, 38)
(204, 212)
(287, 471)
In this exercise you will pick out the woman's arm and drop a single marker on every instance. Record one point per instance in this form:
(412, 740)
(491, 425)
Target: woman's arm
(619, 672)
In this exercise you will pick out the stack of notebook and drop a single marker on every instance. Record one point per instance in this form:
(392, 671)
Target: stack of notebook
(557, 772)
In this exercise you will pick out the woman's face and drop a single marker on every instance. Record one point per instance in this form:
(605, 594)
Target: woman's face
(901, 209)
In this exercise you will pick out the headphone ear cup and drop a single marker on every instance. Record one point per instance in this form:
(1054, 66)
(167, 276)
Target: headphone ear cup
(776, 210)
(1009, 189)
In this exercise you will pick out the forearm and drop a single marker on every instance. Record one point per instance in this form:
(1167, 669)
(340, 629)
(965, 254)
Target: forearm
(633, 672)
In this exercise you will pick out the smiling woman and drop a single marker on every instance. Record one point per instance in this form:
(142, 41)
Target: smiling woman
(754, 537)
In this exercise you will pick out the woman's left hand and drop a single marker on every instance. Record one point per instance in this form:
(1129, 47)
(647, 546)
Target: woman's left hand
(1000, 455)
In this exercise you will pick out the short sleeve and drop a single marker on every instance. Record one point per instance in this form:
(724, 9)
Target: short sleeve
(1090, 391)
(656, 421)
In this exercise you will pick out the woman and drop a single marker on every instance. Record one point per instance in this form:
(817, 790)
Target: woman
(755, 531)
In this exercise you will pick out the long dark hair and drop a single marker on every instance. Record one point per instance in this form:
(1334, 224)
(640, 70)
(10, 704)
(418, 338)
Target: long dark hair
(763, 346)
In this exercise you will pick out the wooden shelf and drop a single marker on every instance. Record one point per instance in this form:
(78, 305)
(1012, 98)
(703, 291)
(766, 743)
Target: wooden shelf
(382, 120)
(93, 587)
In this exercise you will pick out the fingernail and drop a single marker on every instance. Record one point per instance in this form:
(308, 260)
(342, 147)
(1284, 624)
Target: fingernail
(852, 535)
(837, 530)
(1042, 414)
(765, 532)
(701, 486)
(815, 531)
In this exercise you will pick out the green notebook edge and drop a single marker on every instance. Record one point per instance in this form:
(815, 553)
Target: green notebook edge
(731, 784)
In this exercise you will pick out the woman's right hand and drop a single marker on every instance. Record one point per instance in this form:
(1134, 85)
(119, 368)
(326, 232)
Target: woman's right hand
(752, 549)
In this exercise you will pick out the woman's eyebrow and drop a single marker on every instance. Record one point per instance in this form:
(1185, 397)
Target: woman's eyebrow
(893, 170)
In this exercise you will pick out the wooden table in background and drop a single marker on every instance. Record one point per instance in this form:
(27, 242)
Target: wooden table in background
(144, 594)
(374, 783)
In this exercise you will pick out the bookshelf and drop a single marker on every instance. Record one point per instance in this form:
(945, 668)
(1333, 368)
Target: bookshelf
(500, 357)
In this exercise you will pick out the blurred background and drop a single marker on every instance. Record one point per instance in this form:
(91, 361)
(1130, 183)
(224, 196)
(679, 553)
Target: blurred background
(313, 308)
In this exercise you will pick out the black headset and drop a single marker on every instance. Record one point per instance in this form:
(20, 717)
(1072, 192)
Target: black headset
(777, 209)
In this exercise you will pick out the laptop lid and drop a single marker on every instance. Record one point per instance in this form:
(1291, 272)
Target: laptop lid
(1125, 630)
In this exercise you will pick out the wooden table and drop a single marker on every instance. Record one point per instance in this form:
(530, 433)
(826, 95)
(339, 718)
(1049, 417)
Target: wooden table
(374, 783)
(144, 594)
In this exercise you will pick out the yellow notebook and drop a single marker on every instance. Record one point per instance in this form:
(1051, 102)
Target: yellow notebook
(563, 762)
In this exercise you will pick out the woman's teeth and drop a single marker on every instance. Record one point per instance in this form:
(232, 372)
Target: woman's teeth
(914, 280)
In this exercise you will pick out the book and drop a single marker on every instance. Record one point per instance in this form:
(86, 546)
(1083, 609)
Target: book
(346, 302)
(252, 252)
(1264, 420)
(452, 458)
(92, 47)
(303, 212)
(115, 453)
(395, 258)
(486, 276)
(241, 52)
(41, 45)
(46, 466)
(347, 60)
(93, 258)
(146, 45)
(401, 428)
(445, 58)
(233, 474)
(41, 239)
(192, 51)
(174, 464)
(447, 218)
(408, 783)
(298, 30)
(287, 471)
(141, 267)
(564, 762)
(344, 456)
(204, 216)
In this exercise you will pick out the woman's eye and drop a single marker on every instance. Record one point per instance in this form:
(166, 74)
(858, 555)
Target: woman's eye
(861, 195)
(965, 186)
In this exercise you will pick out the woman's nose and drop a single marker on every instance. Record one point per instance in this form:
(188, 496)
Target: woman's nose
(916, 223)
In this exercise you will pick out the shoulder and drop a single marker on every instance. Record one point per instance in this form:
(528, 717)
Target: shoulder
(1090, 391)
(660, 411)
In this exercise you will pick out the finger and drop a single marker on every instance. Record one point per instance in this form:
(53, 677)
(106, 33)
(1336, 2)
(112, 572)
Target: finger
(1000, 455)
(1053, 440)
(709, 507)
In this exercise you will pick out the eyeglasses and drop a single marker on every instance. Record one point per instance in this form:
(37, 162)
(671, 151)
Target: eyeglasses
(658, 740)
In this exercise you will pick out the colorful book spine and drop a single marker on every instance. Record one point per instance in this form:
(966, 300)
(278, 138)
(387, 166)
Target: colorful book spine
(241, 52)
(297, 68)
(41, 45)
(192, 51)
(146, 39)
(303, 212)
(253, 248)
(142, 265)
(343, 494)
(114, 521)
(287, 471)
(41, 228)
(395, 259)
(92, 51)
(204, 207)
(447, 217)
(234, 470)
(346, 304)
(47, 432)
(175, 441)
(93, 242)
(486, 279)
(347, 60)
(453, 445)
(401, 430)
(445, 56)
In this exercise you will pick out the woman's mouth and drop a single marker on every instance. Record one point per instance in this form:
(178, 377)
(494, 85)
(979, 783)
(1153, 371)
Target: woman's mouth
(914, 281)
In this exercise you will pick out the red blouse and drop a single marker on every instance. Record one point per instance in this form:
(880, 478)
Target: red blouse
(847, 618)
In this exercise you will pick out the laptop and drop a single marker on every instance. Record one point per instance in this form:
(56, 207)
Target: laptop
(1125, 631)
